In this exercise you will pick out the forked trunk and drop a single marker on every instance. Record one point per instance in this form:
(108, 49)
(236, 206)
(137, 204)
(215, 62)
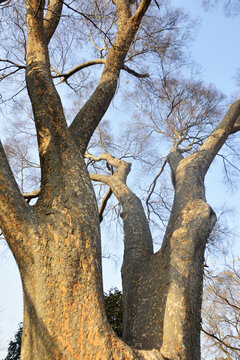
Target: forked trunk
(163, 291)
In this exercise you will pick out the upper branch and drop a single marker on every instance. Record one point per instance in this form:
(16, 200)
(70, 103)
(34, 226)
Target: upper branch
(52, 18)
(136, 229)
(215, 141)
(92, 112)
(47, 108)
(236, 126)
(96, 62)
(123, 167)
(14, 212)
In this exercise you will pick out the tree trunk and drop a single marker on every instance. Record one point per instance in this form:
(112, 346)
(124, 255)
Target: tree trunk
(162, 292)
(60, 267)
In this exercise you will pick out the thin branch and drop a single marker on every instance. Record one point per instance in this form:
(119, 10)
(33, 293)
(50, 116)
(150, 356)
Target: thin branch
(96, 62)
(134, 73)
(221, 341)
(52, 18)
(104, 204)
(4, 1)
(152, 186)
(101, 140)
(88, 19)
(13, 63)
(80, 67)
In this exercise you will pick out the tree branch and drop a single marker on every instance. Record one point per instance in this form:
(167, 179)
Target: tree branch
(215, 141)
(96, 62)
(80, 67)
(92, 112)
(15, 213)
(220, 341)
(101, 178)
(104, 204)
(4, 1)
(123, 167)
(52, 18)
(13, 63)
(134, 73)
(152, 186)
(48, 113)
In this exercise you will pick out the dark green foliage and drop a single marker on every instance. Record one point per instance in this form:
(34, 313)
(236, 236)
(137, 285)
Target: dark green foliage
(14, 347)
(114, 309)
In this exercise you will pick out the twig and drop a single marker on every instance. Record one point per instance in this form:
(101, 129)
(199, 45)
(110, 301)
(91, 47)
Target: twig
(153, 184)
(221, 341)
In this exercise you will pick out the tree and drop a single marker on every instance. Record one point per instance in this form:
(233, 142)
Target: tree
(56, 242)
(221, 311)
(14, 347)
(114, 310)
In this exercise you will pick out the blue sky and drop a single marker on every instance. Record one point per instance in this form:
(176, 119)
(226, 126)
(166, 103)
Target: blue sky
(216, 49)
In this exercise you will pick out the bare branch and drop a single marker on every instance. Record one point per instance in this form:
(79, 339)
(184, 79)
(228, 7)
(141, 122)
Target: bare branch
(96, 62)
(80, 67)
(214, 142)
(101, 178)
(104, 204)
(214, 336)
(4, 1)
(92, 112)
(52, 18)
(152, 186)
(20, 66)
(133, 72)
(14, 211)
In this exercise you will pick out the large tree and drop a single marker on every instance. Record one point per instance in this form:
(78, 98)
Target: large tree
(56, 242)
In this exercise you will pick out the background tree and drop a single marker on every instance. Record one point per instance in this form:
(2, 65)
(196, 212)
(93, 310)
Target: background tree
(14, 347)
(221, 312)
(114, 310)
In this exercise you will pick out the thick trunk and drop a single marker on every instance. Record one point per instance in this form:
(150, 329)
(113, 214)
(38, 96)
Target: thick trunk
(64, 315)
(63, 311)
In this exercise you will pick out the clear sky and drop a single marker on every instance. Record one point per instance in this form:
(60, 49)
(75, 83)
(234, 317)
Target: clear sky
(217, 50)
